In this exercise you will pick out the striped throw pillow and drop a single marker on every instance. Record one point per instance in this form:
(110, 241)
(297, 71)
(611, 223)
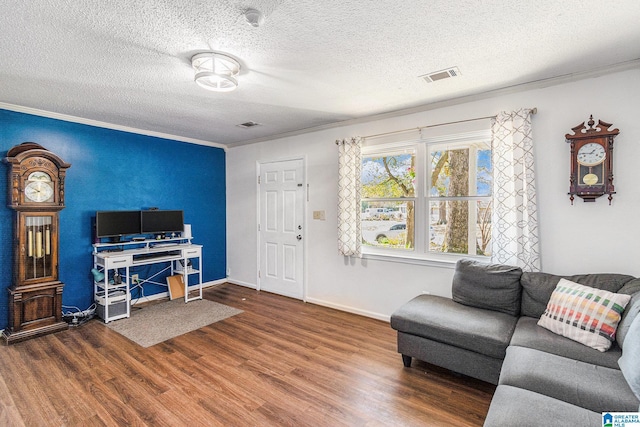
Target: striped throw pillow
(584, 314)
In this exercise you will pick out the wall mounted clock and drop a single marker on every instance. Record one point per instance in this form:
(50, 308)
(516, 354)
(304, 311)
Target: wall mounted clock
(591, 160)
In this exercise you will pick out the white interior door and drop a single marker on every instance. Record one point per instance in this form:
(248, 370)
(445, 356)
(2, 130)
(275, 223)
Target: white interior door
(281, 228)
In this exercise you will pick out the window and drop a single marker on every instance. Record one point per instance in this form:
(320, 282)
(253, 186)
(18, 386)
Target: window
(459, 198)
(428, 198)
(388, 199)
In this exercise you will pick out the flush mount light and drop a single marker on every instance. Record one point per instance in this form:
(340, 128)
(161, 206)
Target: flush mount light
(215, 71)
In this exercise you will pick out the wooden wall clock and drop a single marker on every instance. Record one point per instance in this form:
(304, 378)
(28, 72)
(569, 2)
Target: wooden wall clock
(36, 194)
(591, 161)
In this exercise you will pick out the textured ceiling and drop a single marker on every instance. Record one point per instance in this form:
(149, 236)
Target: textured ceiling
(312, 63)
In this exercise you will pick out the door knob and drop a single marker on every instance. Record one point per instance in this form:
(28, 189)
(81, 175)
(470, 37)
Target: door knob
(299, 237)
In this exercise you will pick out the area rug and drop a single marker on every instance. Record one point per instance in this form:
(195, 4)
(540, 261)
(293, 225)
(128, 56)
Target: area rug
(156, 323)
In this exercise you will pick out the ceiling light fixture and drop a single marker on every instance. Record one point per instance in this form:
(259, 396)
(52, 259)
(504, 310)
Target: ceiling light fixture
(215, 71)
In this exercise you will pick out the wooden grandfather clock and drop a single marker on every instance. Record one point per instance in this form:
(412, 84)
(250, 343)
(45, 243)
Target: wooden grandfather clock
(36, 194)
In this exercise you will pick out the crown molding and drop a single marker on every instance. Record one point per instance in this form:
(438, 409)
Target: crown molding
(521, 87)
(105, 125)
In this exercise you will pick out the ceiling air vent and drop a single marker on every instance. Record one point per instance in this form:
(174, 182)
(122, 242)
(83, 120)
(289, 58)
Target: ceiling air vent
(441, 75)
(247, 125)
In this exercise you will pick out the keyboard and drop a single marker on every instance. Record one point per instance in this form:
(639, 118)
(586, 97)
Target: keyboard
(163, 245)
(153, 255)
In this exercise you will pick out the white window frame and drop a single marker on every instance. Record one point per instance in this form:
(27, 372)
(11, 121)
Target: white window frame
(386, 149)
(420, 253)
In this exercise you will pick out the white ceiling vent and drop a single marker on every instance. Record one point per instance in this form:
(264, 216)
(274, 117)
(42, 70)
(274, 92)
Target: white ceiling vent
(441, 75)
(247, 125)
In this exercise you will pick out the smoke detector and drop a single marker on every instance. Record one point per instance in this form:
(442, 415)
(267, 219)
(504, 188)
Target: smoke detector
(441, 75)
(254, 17)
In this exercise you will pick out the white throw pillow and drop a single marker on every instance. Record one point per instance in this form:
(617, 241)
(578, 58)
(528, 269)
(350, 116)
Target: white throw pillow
(587, 315)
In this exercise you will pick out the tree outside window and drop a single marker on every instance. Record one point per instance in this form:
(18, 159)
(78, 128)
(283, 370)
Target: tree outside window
(459, 198)
(388, 199)
(428, 197)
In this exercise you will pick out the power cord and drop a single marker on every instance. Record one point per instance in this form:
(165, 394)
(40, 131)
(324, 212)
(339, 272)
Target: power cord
(76, 317)
(140, 289)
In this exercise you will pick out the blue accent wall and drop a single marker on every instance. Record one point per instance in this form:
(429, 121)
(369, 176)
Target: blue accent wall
(115, 170)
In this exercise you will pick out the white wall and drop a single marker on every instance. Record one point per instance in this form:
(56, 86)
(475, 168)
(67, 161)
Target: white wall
(584, 238)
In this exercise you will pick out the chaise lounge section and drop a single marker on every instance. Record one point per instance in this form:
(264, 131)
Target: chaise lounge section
(489, 330)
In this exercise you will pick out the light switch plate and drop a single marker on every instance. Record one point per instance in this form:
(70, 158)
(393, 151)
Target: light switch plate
(319, 215)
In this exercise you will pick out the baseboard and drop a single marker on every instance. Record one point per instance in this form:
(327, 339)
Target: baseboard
(211, 283)
(162, 295)
(241, 283)
(348, 309)
(340, 307)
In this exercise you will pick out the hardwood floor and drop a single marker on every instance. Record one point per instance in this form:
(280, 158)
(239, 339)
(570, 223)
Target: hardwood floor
(280, 362)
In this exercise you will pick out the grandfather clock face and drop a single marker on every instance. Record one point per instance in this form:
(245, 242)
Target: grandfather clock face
(39, 188)
(37, 185)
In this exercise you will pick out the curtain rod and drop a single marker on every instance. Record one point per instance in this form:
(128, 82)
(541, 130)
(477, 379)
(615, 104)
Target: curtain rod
(533, 111)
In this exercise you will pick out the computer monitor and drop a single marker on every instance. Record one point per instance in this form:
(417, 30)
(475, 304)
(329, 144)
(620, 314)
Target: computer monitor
(162, 221)
(117, 223)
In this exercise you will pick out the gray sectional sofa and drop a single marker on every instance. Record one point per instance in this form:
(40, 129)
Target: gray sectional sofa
(489, 330)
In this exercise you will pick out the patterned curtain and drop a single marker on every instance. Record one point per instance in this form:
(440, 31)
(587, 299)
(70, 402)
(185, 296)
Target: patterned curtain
(349, 165)
(515, 213)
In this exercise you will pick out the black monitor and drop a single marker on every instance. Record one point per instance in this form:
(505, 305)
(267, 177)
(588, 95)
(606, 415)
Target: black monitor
(117, 223)
(159, 221)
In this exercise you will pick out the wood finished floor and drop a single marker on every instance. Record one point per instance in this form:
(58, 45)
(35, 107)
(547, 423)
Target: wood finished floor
(280, 363)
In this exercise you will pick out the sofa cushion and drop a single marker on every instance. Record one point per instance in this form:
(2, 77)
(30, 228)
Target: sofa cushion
(584, 314)
(441, 319)
(538, 287)
(630, 313)
(512, 406)
(582, 384)
(529, 334)
(491, 286)
(631, 287)
(629, 361)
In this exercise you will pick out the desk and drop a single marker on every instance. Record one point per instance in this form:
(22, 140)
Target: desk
(113, 299)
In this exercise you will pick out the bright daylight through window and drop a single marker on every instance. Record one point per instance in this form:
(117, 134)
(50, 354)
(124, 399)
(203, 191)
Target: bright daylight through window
(388, 199)
(427, 198)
